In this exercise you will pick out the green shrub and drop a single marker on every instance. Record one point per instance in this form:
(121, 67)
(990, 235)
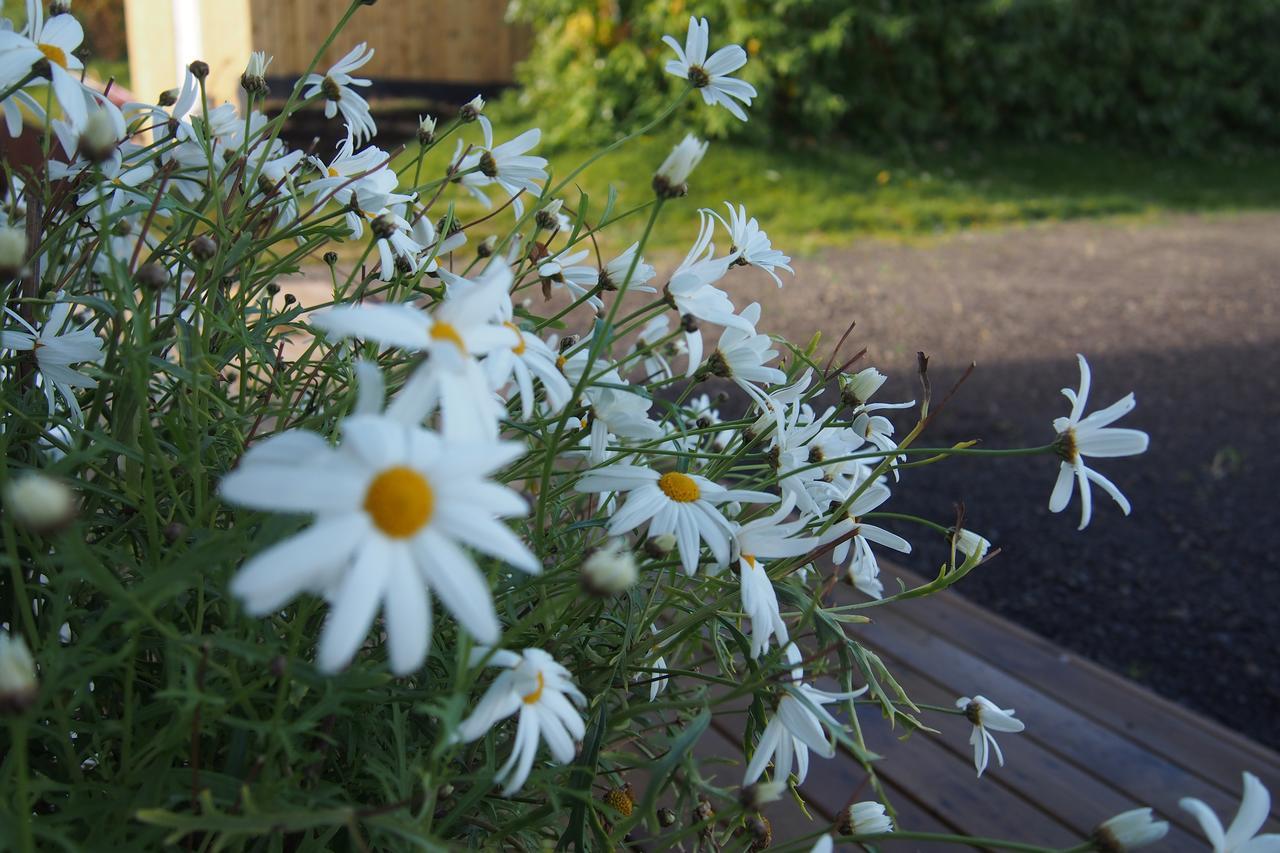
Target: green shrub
(1181, 75)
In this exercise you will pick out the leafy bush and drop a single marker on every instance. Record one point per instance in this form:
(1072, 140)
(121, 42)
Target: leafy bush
(1184, 74)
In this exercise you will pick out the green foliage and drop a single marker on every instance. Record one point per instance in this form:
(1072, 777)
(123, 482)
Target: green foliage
(1178, 75)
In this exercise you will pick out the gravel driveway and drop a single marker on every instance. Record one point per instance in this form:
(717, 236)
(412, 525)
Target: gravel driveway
(1183, 596)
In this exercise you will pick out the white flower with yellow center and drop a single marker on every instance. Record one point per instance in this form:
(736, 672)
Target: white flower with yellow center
(393, 506)
(55, 40)
(857, 536)
(528, 359)
(56, 349)
(1080, 437)
(710, 76)
(987, 717)
(770, 537)
(335, 87)
(461, 328)
(741, 357)
(543, 693)
(674, 502)
(508, 165)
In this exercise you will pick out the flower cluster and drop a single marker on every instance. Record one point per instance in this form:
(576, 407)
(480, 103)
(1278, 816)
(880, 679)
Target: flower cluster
(491, 416)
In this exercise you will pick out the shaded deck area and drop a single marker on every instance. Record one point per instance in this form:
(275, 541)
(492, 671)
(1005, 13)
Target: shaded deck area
(1095, 745)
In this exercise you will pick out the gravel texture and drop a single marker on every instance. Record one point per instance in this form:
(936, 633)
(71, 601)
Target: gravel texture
(1182, 596)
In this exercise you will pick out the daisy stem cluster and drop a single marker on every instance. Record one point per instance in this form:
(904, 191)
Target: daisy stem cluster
(469, 542)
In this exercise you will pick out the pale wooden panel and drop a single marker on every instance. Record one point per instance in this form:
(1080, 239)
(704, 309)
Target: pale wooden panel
(226, 37)
(149, 25)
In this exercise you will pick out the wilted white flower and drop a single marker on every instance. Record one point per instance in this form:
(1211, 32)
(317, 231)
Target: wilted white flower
(769, 537)
(1129, 831)
(858, 389)
(672, 177)
(335, 86)
(1080, 437)
(542, 691)
(692, 290)
(254, 78)
(392, 505)
(1242, 836)
(38, 501)
(711, 76)
(472, 109)
(987, 717)
(610, 569)
(971, 544)
(17, 674)
(674, 502)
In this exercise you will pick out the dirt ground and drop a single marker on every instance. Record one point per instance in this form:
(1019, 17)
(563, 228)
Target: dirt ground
(1182, 596)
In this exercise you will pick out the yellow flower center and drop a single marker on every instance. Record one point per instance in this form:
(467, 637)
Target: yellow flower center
(518, 349)
(561, 361)
(532, 698)
(679, 487)
(445, 332)
(751, 560)
(400, 501)
(334, 173)
(54, 54)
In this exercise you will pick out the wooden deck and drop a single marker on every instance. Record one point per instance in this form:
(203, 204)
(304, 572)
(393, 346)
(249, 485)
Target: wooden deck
(1095, 745)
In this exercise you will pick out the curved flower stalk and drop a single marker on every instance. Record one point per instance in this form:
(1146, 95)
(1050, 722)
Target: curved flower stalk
(543, 693)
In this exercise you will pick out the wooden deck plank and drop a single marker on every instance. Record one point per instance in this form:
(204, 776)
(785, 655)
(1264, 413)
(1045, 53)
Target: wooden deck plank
(1199, 745)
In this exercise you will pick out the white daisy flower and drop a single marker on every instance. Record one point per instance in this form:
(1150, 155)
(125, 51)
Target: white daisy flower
(335, 85)
(1242, 836)
(825, 844)
(751, 243)
(55, 351)
(770, 537)
(56, 40)
(741, 356)
(528, 359)
(393, 504)
(692, 292)
(1080, 437)
(397, 250)
(1129, 830)
(566, 272)
(797, 727)
(711, 76)
(970, 544)
(987, 717)
(878, 430)
(655, 363)
(509, 165)
(615, 272)
(864, 570)
(865, 818)
(672, 178)
(674, 502)
(544, 694)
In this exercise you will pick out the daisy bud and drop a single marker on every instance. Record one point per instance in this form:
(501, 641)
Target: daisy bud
(548, 217)
(152, 275)
(17, 675)
(203, 248)
(487, 246)
(59, 7)
(39, 502)
(13, 251)
(100, 136)
(703, 810)
(1129, 831)
(254, 78)
(866, 818)
(610, 570)
(426, 130)
(760, 830)
(199, 69)
(666, 817)
(330, 258)
(671, 181)
(859, 388)
(660, 546)
(167, 98)
(471, 110)
(971, 544)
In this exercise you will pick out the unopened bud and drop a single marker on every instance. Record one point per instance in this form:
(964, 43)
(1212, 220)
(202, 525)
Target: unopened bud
(168, 98)
(17, 675)
(39, 502)
(666, 817)
(199, 69)
(152, 275)
(100, 136)
(610, 570)
(59, 7)
(487, 246)
(671, 179)
(330, 258)
(471, 110)
(660, 546)
(426, 130)
(203, 248)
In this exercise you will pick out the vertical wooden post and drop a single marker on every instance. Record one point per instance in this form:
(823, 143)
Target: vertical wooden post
(166, 35)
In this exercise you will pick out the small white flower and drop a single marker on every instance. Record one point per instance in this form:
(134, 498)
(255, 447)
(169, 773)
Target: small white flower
(528, 359)
(254, 78)
(543, 692)
(741, 356)
(508, 165)
(56, 39)
(392, 505)
(1242, 836)
(17, 673)
(39, 502)
(610, 569)
(55, 352)
(971, 544)
(987, 717)
(751, 243)
(692, 290)
(1129, 831)
(655, 364)
(335, 86)
(859, 388)
(825, 844)
(770, 537)
(565, 271)
(615, 272)
(683, 504)
(671, 179)
(711, 76)
(864, 569)
(472, 109)
(797, 727)
(866, 818)
(1080, 437)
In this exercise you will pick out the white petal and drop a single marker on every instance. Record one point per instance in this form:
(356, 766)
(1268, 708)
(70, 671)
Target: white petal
(306, 561)
(459, 584)
(356, 603)
(408, 615)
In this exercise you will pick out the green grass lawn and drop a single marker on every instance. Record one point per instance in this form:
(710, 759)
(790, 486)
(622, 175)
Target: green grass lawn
(812, 197)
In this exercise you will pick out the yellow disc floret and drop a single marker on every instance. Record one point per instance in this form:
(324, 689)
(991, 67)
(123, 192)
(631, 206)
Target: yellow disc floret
(400, 501)
(54, 54)
(679, 487)
(445, 332)
(532, 698)
(518, 349)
